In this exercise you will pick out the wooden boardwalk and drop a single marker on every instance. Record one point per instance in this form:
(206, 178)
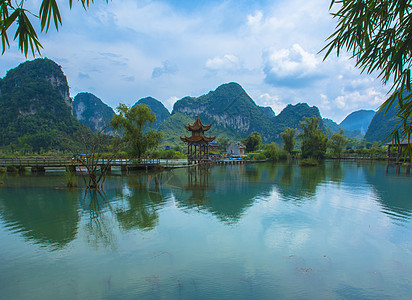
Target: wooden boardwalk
(40, 165)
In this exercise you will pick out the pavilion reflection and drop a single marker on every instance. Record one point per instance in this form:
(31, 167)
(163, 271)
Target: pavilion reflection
(224, 191)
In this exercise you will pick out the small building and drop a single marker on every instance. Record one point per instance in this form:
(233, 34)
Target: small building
(236, 148)
(213, 146)
(398, 154)
(198, 143)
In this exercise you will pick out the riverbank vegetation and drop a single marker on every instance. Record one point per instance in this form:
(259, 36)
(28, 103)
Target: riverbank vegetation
(309, 141)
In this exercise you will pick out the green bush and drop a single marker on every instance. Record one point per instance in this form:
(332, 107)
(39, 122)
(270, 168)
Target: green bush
(168, 154)
(274, 153)
(308, 162)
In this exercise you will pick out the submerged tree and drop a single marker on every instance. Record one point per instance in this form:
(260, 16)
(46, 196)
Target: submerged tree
(313, 139)
(135, 125)
(288, 137)
(94, 160)
(379, 35)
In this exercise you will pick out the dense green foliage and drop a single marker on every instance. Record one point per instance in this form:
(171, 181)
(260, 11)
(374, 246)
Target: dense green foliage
(36, 109)
(314, 141)
(337, 142)
(135, 126)
(92, 112)
(273, 153)
(253, 142)
(379, 34)
(289, 141)
(157, 108)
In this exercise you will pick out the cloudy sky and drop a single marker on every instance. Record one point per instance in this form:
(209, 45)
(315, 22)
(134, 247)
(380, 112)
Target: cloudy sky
(168, 49)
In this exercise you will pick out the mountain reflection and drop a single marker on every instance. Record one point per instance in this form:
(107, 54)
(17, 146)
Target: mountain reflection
(393, 191)
(48, 218)
(224, 191)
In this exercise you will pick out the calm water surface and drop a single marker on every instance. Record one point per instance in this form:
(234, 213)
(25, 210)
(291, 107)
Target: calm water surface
(261, 231)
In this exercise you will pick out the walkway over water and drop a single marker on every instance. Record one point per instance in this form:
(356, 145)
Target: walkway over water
(40, 165)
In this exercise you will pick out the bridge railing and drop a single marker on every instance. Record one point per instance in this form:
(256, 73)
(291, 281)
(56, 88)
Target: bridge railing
(33, 162)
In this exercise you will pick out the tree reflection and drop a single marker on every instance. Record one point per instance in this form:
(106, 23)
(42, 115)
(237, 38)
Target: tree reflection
(99, 228)
(299, 184)
(47, 218)
(140, 201)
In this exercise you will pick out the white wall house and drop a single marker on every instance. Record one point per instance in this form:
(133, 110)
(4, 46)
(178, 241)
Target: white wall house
(236, 148)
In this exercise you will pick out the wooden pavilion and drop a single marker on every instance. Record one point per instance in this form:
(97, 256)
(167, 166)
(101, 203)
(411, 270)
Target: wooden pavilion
(399, 150)
(197, 144)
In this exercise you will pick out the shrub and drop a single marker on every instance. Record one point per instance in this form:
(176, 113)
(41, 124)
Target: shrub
(308, 162)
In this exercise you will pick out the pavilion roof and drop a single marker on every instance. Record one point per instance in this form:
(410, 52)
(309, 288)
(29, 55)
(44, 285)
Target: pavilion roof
(197, 125)
(197, 139)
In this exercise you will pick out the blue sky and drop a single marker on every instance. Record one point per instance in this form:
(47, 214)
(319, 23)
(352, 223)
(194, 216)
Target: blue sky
(127, 50)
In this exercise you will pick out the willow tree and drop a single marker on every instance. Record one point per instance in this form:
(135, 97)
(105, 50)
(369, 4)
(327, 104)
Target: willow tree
(379, 35)
(135, 126)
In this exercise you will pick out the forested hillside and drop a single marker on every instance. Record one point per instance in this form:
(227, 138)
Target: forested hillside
(36, 107)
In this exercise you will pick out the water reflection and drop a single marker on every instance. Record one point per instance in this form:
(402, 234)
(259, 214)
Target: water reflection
(51, 216)
(392, 190)
(99, 227)
(140, 201)
(47, 217)
(299, 184)
(225, 191)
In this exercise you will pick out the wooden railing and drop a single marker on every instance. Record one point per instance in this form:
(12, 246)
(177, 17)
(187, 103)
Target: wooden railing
(18, 162)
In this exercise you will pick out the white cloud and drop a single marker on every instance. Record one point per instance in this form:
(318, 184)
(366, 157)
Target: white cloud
(292, 67)
(273, 101)
(228, 62)
(122, 51)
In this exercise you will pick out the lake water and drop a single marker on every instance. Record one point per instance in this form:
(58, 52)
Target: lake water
(257, 231)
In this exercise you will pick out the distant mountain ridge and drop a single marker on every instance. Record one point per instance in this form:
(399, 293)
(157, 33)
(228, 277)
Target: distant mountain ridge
(157, 108)
(37, 110)
(358, 120)
(92, 112)
(228, 107)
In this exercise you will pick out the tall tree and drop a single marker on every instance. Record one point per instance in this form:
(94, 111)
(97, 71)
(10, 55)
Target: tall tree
(135, 124)
(14, 12)
(313, 139)
(336, 142)
(288, 137)
(253, 142)
(379, 34)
